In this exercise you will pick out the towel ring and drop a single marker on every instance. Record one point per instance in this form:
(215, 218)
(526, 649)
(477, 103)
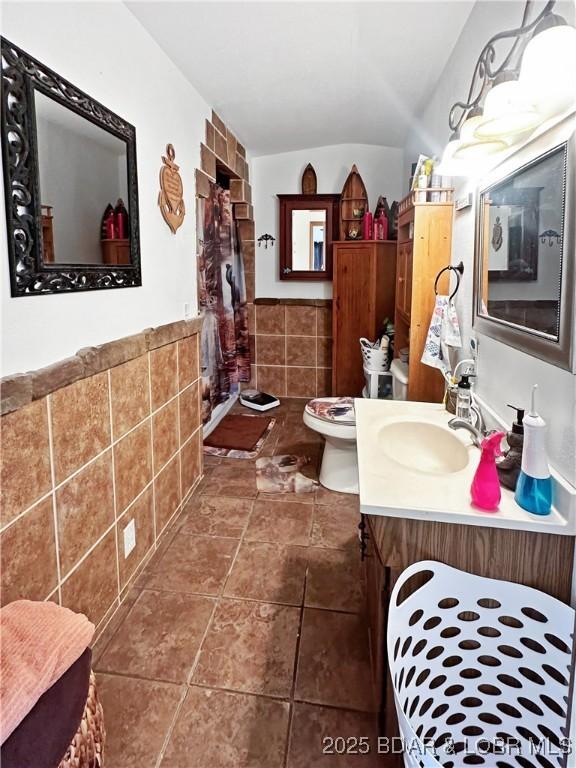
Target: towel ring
(458, 271)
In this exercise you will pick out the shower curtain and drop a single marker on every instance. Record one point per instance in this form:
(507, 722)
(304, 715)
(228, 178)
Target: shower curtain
(225, 344)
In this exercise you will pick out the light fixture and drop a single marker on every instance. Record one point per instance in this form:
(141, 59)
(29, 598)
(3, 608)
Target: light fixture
(508, 110)
(533, 82)
(548, 69)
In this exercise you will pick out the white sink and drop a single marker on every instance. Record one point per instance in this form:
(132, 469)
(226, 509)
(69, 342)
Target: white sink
(411, 464)
(423, 446)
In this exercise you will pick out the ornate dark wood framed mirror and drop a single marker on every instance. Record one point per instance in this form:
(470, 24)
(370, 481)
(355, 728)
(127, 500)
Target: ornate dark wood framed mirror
(70, 183)
(308, 226)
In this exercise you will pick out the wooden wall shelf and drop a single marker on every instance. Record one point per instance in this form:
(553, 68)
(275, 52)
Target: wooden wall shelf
(424, 197)
(354, 196)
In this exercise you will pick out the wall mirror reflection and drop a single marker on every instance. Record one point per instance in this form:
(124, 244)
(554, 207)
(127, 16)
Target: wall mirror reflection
(71, 184)
(308, 226)
(83, 188)
(308, 251)
(522, 268)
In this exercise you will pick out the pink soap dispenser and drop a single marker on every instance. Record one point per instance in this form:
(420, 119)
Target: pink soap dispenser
(485, 489)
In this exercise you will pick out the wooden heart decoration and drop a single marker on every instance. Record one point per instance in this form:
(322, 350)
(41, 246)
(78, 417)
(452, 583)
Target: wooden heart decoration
(170, 199)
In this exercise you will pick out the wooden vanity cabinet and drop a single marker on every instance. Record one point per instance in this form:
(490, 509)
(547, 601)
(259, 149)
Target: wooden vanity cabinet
(539, 560)
(364, 275)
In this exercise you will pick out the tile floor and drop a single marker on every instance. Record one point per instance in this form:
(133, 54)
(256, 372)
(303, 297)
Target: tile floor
(243, 643)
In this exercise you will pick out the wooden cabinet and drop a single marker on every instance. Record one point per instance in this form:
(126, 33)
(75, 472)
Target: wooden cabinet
(392, 544)
(424, 248)
(116, 251)
(376, 598)
(363, 297)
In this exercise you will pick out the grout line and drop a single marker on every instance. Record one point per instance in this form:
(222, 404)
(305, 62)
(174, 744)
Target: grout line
(54, 508)
(275, 365)
(56, 590)
(134, 573)
(295, 335)
(105, 620)
(168, 736)
(154, 530)
(114, 500)
(288, 733)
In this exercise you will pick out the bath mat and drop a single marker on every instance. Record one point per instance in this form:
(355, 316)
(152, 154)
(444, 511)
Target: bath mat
(281, 474)
(239, 436)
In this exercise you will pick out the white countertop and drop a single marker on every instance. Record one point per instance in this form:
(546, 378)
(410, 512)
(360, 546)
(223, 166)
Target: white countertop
(390, 488)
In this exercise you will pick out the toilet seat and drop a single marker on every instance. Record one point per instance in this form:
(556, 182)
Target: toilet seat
(334, 410)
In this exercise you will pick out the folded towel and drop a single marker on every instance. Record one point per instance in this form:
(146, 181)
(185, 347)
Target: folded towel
(444, 332)
(38, 643)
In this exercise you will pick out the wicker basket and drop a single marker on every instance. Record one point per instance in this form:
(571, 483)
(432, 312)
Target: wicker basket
(87, 747)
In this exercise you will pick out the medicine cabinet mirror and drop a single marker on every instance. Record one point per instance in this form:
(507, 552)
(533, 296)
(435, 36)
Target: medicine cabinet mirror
(70, 184)
(308, 226)
(524, 278)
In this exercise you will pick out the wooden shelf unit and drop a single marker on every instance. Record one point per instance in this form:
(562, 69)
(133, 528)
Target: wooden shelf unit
(424, 248)
(354, 197)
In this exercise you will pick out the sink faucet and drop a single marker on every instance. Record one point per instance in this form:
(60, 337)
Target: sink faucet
(477, 431)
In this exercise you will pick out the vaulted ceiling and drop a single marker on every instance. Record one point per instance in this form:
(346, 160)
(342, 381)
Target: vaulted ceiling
(293, 75)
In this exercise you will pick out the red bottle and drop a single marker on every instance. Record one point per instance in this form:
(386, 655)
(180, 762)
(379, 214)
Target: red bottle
(110, 226)
(121, 220)
(367, 226)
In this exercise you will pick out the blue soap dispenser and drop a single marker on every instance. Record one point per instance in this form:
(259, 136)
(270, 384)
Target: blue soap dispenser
(534, 487)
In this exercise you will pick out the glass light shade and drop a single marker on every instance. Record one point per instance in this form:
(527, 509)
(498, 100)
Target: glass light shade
(507, 111)
(447, 166)
(476, 151)
(469, 127)
(548, 71)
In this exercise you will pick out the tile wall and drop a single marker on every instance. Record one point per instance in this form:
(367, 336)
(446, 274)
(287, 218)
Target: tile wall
(78, 465)
(292, 349)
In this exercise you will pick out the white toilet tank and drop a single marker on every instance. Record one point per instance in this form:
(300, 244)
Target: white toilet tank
(399, 371)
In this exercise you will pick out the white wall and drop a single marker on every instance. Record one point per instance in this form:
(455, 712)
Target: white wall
(505, 375)
(381, 168)
(103, 49)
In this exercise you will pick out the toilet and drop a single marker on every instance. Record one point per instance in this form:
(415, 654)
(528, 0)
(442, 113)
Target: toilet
(334, 419)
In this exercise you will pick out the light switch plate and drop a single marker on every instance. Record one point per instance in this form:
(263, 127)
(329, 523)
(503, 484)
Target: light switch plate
(129, 538)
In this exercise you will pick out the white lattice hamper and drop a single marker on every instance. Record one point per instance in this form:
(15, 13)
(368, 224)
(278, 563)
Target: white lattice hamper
(481, 671)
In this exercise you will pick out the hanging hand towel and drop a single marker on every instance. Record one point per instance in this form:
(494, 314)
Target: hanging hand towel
(444, 332)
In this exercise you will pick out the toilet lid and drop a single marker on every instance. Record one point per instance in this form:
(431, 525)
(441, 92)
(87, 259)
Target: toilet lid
(334, 409)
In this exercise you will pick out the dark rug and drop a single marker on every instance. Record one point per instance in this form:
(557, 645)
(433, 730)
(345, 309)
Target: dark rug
(238, 432)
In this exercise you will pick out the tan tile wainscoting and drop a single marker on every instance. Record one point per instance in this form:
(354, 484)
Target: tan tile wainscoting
(108, 436)
(293, 347)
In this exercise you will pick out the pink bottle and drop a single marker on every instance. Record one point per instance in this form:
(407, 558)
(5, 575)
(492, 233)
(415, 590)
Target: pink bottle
(485, 489)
